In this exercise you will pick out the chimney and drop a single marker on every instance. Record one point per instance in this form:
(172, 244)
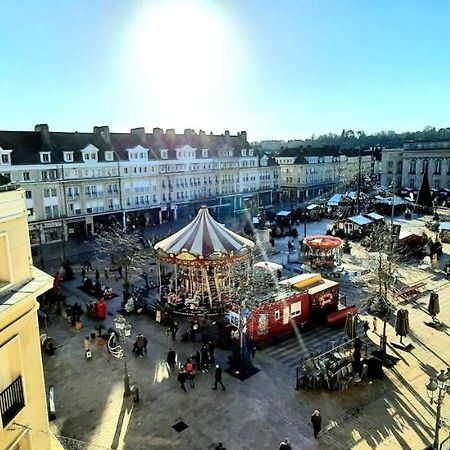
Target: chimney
(158, 133)
(139, 132)
(103, 132)
(243, 135)
(227, 134)
(202, 134)
(170, 133)
(44, 132)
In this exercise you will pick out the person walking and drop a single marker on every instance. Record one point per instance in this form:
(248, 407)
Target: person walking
(174, 330)
(171, 358)
(119, 271)
(285, 445)
(316, 420)
(83, 273)
(211, 348)
(106, 271)
(97, 275)
(375, 325)
(87, 348)
(182, 379)
(204, 357)
(197, 360)
(218, 378)
(366, 327)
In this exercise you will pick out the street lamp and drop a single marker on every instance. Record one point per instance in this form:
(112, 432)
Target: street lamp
(437, 387)
(123, 329)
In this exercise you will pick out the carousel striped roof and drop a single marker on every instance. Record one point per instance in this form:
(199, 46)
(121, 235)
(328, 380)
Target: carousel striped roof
(204, 237)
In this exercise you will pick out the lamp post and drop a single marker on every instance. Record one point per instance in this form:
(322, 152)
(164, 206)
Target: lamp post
(437, 387)
(123, 328)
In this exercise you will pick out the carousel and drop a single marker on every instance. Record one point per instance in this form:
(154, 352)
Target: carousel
(322, 251)
(200, 266)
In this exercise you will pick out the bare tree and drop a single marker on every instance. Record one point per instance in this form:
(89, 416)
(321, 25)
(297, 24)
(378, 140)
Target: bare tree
(117, 248)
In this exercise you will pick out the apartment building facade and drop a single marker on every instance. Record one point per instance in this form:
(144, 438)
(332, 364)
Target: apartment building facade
(23, 404)
(404, 167)
(73, 181)
(309, 172)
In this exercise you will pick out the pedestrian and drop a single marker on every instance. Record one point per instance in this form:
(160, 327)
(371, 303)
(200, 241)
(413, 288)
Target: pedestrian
(366, 327)
(189, 368)
(204, 357)
(375, 325)
(197, 359)
(316, 420)
(253, 350)
(83, 273)
(182, 379)
(97, 275)
(88, 266)
(171, 358)
(174, 330)
(87, 348)
(285, 445)
(145, 344)
(211, 348)
(106, 272)
(138, 346)
(220, 446)
(194, 328)
(218, 378)
(119, 271)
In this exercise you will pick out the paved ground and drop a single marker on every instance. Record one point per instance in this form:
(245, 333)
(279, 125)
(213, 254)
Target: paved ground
(393, 413)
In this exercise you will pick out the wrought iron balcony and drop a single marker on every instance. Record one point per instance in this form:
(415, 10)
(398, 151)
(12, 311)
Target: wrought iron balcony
(11, 401)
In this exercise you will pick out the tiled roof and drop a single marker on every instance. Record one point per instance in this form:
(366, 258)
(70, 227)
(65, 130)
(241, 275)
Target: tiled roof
(26, 145)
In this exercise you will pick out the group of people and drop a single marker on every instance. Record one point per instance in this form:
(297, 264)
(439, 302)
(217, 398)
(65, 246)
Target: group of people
(140, 345)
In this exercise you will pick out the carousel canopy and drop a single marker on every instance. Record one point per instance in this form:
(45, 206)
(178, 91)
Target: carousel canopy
(323, 241)
(203, 240)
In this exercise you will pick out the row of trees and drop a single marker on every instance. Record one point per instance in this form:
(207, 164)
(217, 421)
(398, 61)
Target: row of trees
(352, 138)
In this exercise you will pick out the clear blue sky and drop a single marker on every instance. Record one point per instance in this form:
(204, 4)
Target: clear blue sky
(278, 69)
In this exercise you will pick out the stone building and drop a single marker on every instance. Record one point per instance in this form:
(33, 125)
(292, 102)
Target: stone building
(74, 181)
(23, 403)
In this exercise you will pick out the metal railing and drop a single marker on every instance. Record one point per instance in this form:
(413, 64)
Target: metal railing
(11, 401)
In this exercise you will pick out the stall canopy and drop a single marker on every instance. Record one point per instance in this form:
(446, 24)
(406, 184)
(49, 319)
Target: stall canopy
(312, 207)
(444, 226)
(360, 220)
(375, 216)
(203, 239)
(284, 213)
(335, 200)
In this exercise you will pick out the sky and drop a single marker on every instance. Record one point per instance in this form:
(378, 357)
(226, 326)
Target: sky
(278, 69)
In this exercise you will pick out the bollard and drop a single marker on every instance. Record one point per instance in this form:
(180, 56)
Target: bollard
(135, 393)
(51, 403)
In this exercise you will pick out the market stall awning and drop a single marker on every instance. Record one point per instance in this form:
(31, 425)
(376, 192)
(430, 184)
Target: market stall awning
(323, 241)
(360, 220)
(269, 266)
(284, 213)
(203, 239)
(375, 216)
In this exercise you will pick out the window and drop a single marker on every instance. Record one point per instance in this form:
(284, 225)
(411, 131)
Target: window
(31, 211)
(44, 175)
(437, 167)
(46, 193)
(45, 157)
(28, 194)
(68, 156)
(109, 156)
(164, 154)
(26, 176)
(55, 211)
(48, 212)
(412, 166)
(296, 309)
(390, 165)
(52, 174)
(424, 165)
(5, 159)
(277, 314)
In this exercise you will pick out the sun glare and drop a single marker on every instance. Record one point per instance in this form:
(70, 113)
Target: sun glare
(182, 48)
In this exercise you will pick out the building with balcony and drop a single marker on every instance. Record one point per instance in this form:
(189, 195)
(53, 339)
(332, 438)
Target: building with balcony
(309, 172)
(404, 167)
(23, 405)
(73, 181)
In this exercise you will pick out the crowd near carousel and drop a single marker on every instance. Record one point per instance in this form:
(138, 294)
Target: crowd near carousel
(201, 266)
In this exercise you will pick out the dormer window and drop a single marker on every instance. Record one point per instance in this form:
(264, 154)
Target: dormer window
(250, 152)
(46, 157)
(109, 156)
(205, 153)
(244, 152)
(89, 156)
(5, 157)
(164, 154)
(68, 156)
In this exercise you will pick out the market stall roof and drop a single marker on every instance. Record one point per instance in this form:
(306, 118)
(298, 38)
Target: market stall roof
(269, 266)
(444, 226)
(388, 200)
(284, 213)
(203, 240)
(360, 220)
(335, 200)
(405, 234)
(323, 241)
(375, 216)
(311, 207)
